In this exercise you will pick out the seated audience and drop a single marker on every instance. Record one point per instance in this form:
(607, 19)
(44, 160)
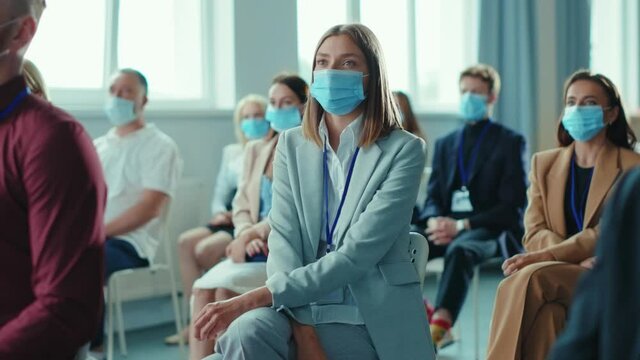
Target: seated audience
(569, 186)
(476, 192)
(201, 248)
(142, 168)
(604, 321)
(245, 266)
(52, 198)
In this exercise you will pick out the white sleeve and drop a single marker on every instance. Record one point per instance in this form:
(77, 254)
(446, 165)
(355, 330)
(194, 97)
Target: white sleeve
(162, 169)
(225, 186)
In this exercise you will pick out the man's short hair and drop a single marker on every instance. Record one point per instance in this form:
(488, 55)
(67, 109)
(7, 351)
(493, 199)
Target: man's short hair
(23, 7)
(141, 78)
(485, 73)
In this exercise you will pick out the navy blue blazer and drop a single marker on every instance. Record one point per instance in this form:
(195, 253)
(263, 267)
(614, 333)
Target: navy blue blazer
(497, 181)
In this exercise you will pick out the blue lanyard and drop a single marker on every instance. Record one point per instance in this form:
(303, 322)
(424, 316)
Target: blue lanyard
(578, 214)
(14, 103)
(325, 174)
(464, 174)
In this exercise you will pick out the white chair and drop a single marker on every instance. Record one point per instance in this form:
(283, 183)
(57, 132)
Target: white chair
(114, 296)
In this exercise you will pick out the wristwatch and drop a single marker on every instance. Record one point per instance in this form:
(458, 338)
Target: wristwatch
(460, 225)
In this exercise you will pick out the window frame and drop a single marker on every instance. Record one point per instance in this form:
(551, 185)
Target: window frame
(89, 101)
(353, 8)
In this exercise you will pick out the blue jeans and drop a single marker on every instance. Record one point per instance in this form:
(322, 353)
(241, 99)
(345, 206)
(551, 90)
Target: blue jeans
(119, 255)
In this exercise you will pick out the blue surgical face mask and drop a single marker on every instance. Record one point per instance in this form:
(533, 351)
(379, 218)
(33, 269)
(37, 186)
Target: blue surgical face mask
(253, 128)
(583, 122)
(284, 118)
(473, 107)
(339, 92)
(120, 111)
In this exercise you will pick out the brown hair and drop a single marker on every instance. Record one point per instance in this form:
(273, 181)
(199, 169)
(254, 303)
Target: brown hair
(295, 83)
(618, 132)
(380, 114)
(485, 73)
(409, 121)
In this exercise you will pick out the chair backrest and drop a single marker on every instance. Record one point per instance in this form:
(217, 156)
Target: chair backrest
(83, 353)
(420, 249)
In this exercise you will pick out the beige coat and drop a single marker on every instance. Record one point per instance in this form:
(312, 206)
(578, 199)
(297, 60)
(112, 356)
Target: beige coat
(246, 203)
(531, 305)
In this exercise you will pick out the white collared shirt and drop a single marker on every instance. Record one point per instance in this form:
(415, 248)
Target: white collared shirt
(146, 159)
(338, 164)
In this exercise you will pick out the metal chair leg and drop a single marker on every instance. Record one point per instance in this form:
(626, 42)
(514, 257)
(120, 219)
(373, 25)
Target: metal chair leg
(110, 289)
(121, 337)
(476, 316)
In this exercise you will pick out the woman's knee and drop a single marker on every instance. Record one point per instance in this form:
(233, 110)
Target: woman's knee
(211, 249)
(190, 238)
(258, 324)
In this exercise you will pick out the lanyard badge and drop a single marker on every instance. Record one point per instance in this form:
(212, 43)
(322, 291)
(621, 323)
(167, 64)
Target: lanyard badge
(330, 229)
(461, 199)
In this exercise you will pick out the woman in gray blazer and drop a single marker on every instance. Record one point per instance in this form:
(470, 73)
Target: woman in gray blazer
(341, 279)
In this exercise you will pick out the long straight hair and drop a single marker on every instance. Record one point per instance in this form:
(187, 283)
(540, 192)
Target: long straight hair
(380, 115)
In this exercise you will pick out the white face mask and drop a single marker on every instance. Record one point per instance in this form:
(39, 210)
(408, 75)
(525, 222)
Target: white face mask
(2, 26)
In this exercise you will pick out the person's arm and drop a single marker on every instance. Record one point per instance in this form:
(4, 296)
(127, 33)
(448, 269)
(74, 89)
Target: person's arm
(223, 189)
(149, 207)
(578, 247)
(433, 206)
(511, 194)
(241, 202)
(66, 194)
(285, 238)
(538, 235)
(385, 218)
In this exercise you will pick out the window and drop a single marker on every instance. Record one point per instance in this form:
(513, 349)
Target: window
(166, 47)
(617, 20)
(80, 43)
(314, 18)
(58, 42)
(426, 44)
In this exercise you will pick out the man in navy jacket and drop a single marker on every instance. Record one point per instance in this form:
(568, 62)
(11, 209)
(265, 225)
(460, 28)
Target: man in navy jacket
(476, 193)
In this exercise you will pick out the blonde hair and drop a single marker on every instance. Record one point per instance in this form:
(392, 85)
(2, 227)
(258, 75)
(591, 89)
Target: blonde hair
(381, 116)
(486, 73)
(237, 115)
(34, 79)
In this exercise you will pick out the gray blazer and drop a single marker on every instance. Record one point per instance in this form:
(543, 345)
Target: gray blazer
(372, 256)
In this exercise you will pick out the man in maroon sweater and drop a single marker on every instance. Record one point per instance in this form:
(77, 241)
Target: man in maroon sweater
(52, 197)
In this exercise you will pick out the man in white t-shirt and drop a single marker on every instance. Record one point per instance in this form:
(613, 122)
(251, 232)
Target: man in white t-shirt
(141, 166)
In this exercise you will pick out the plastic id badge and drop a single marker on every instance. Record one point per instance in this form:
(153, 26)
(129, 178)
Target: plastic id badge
(460, 201)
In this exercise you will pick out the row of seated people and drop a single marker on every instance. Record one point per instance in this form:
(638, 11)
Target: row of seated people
(476, 193)
(469, 203)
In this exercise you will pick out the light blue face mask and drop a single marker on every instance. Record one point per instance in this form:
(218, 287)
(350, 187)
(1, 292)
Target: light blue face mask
(583, 122)
(120, 111)
(339, 92)
(284, 118)
(473, 107)
(254, 128)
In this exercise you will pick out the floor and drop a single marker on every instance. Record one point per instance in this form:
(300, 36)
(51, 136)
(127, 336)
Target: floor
(146, 344)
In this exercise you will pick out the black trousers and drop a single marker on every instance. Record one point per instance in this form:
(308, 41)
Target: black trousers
(469, 249)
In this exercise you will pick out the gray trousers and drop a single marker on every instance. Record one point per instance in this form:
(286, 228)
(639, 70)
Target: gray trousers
(265, 334)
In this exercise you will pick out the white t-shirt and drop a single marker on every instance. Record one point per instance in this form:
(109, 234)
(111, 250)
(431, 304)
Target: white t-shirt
(146, 159)
(228, 177)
